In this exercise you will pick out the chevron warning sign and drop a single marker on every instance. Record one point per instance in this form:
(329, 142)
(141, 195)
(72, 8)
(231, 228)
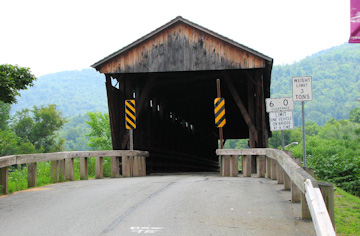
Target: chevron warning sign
(219, 105)
(130, 114)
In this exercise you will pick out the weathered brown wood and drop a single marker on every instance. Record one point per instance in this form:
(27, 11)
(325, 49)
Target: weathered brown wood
(4, 180)
(32, 167)
(181, 45)
(287, 181)
(7, 161)
(247, 166)
(305, 212)
(69, 169)
(83, 168)
(295, 193)
(127, 166)
(327, 191)
(239, 152)
(62, 170)
(54, 171)
(261, 166)
(273, 173)
(280, 174)
(115, 170)
(99, 168)
(225, 166)
(268, 167)
(241, 106)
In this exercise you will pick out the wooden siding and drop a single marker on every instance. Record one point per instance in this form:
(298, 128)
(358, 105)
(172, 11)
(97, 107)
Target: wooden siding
(181, 47)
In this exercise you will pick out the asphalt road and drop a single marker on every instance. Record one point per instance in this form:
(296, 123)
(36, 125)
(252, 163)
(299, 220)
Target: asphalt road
(196, 204)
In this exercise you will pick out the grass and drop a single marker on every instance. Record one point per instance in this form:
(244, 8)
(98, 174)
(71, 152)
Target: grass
(347, 213)
(18, 179)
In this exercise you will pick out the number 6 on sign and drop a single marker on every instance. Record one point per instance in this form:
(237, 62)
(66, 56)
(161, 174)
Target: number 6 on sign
(219, 106)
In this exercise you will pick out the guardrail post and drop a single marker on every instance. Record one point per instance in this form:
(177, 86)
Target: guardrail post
(54, 171)
(287, 181)
(229, 166)
(69, 169)
(99, 168)
(280, 174)
(83, 168)
(126, 166)
(139, 166)
(32, 174)
(273, 170)
(327, 191)
(62, 170)
(247, 166)
(261, 166)
(115, 171)
(268, 167)
(295, 193)
(305, 212)
(4, 179)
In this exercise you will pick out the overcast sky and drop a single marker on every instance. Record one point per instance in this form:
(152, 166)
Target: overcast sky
(52, 36)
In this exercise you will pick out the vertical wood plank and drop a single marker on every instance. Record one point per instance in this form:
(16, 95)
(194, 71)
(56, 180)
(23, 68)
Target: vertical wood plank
(234, 166)
(280, 174)
(247, 166)
(268, 167)
(126, 166)
(83, 168)
(327, 191)
(305, 212)
(115, 169)
(54, 171)
(273, 170)
(261, 166)
(99, 168)
(69, 169)
(295, 193)
(4, 180)
(32, 174)
(62, 170)
(287, 181)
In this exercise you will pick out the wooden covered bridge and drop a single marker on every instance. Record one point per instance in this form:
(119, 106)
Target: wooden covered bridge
(171, 73)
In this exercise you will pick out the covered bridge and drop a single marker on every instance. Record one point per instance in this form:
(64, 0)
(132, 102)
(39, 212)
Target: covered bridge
(171, 72)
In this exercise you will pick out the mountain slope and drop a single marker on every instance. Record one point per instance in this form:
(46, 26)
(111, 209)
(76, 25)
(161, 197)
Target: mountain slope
(336, 83)
(74, 92)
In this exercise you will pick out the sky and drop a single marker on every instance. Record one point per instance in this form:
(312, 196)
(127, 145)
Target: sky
(53, 36)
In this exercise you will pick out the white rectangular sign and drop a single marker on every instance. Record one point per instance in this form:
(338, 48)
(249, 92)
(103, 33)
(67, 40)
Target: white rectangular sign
(279, 104)
(302, 88)
(281, 120)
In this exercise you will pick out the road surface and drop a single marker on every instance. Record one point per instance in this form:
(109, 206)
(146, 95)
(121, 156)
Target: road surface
(188, 204)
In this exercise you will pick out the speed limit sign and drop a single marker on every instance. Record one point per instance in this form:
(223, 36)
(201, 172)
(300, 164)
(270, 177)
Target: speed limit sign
(279, 104)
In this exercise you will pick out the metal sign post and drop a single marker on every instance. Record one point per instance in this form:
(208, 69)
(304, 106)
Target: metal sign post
(219, 106)
(302, 91)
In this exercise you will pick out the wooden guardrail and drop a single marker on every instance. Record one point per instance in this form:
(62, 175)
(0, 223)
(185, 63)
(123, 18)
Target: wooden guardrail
(304, 188)
(62, 163)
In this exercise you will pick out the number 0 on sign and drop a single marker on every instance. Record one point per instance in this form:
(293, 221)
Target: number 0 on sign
(219, 109)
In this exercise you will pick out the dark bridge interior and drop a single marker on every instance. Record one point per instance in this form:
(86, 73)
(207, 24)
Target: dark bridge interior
(172, 74)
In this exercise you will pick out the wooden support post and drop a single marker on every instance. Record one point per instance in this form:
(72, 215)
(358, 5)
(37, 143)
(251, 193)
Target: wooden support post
(327, 191)
(305, 212)
(247, 166)
(4, 179)
(115, 170)
(273, 169)
(261, 166)
(69, 169)
(62, 170)
(127, 166)
(268, 167)
(32, 174)
(83, 168)
(280, 174)
(295, 193)
(287, 181)
(229, 166)
(143, 166)
(54, 171)
(99, 168)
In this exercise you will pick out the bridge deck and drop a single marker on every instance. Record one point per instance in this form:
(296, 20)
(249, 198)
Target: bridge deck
(193, 204)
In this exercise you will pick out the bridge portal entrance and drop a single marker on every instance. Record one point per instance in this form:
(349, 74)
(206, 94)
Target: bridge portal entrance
(171, 73)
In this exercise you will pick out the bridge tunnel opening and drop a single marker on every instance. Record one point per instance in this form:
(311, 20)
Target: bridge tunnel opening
(175, 116)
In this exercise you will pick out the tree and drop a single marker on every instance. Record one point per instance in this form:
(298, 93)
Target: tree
(354, 115)
(13, 79)
(40, 128)
(4, 115)
(100, 135)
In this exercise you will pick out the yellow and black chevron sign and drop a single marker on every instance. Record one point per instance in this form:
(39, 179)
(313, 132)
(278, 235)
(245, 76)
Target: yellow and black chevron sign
(130, 114)
(219, 105)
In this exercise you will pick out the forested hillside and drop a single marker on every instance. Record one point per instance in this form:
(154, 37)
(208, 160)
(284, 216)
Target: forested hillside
(74, 92)
(336, 83)
(335, 72)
